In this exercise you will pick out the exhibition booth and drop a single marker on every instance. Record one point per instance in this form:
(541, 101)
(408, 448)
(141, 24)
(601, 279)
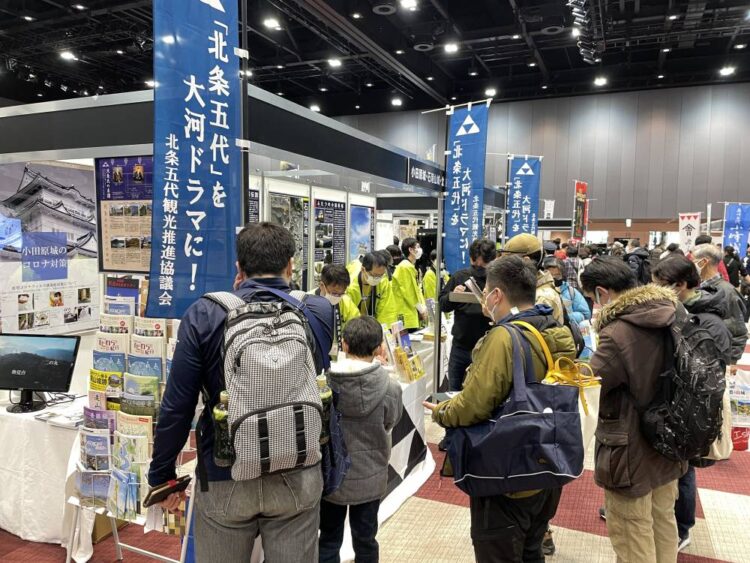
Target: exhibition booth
(77, 180)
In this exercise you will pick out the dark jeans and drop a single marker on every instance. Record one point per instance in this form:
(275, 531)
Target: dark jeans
(458, 362)
(506, 530)
(684, 508)
(363, 521)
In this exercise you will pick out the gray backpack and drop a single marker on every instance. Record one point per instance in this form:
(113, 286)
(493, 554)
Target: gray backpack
(275, 410)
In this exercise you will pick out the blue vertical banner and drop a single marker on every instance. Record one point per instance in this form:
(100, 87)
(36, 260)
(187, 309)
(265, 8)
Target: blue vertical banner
(525, 173)
(197, 165)
(467, 147)
(737, 226)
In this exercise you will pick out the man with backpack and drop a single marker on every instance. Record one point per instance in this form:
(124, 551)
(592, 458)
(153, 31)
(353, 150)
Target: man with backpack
(271, 485)
(637, 259)
(507, 527)
(640, 483)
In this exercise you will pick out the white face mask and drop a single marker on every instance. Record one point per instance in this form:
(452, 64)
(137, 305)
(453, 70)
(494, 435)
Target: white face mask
(333, 299)
(487, 311)
(372, 280)
(418, 253)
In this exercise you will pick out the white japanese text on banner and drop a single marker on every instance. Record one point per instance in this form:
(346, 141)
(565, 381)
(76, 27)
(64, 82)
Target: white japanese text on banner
(524, 173)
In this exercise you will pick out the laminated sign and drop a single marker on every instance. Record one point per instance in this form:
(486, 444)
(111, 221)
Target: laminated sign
(467, 145)
(197, 166)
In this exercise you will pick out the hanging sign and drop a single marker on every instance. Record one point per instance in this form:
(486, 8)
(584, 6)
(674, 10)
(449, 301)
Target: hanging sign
(524, 173)
(690, 225)
(737, 225)
(549, 208)
(197, 166)
(467, 145)
(579, 210)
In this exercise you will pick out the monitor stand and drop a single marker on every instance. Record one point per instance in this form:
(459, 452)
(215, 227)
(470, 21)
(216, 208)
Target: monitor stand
(27, 403)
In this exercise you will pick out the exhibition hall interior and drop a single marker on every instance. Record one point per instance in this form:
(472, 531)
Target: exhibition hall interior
(374, 280)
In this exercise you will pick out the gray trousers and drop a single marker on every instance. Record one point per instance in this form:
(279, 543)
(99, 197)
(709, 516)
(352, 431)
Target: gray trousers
(284, 509)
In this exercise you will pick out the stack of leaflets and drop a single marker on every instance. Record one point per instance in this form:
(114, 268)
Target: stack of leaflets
(122, 500)
(141, 394)
(152, 346)
(119, 305)
(130, 459)
(96, 449)
(97, 419)
(93, 487)
(408, 364)
(150, 327)
(105, 389)
(115, 324)
(109, 361)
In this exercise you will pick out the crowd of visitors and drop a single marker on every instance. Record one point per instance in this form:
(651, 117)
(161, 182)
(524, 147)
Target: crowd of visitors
(536, 301)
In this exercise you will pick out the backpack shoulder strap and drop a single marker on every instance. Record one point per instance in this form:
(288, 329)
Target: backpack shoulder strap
(227, 301)
(540, 339)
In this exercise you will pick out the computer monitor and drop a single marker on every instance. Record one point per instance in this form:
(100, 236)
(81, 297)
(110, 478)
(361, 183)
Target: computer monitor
(39, 363)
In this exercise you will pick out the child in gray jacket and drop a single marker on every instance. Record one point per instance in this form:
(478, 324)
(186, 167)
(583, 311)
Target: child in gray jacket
(370, 405)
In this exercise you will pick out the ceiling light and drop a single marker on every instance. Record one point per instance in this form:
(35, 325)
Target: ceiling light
(490, 92)
(271, 23)
(473, 72)
(63, 87)
(356, 16)
(279, 66)
(369, 84)
(740, 46)
(101, 87)
(727, 71)
(430, 78)
(673, 17)
(516, 36)
(29, 18)
(279, 93)
(600, 81)
(79, 7)
(68, 56)
(356, 107)
(544, 86)
(409, 5)
(315, 108)
(661, 76)
(598, 60)
(150, 83)
(666, 50)
(451, 47)
(454, 98)
(39, 95)
(334, 63)
(323, 88)
(575, 32)
(397, 102)
(399, 51)
(120, 52)
(531, 64)
(48, 83)
(32, 76)
(84, 92)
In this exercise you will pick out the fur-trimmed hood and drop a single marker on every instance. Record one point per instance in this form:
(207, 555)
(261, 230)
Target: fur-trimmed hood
(649, 306)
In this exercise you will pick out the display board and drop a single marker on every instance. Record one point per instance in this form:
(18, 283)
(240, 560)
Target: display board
(124, 204)
(293, 212)
(361, 231)
(254, 203)
(51, 306)
(48, 264)
(330, 233)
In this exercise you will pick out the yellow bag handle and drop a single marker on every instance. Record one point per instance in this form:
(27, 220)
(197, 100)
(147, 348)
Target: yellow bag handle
(542, 342)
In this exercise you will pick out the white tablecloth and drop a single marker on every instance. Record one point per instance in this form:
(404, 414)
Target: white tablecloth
(33, 469)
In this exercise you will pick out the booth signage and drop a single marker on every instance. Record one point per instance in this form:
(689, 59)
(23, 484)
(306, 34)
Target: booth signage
(579, 210)
(467, 146)
(524, 174)
(253, 202)
(425, 175)
(330, 233)
(197, 165)
(44, 256)
(737, 225)
(690, 227)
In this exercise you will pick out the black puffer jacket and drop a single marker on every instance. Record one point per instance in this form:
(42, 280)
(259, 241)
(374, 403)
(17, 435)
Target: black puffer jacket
(729, 302)
(470, 323)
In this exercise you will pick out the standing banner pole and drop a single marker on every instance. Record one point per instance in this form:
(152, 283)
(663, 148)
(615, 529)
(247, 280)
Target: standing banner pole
(244, 112)
(438, 363)
(708, 219)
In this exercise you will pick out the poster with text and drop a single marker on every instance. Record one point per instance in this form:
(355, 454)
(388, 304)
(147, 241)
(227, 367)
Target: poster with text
(50, 306)
(253, 206)
(690, 228)
(124, 197)
(330, 234)
(361, 231)
(579, 210)
(48, 249)
(292, 212)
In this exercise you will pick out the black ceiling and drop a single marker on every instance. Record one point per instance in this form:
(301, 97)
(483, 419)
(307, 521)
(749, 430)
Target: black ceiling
(523, 49)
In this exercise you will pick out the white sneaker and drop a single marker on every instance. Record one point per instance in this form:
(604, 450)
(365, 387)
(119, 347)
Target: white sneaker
(683, 543)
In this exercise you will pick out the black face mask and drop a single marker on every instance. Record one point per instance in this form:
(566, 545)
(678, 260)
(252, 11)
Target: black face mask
(558, 282)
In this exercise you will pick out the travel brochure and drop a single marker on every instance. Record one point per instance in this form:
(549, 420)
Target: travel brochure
(109, 361)
(115, 324)
(96, 449)
(145, 365)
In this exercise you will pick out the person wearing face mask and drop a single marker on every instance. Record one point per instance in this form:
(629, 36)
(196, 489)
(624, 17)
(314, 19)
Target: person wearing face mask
(640, 484)
(573, 300)
(430, 288)
(370, 290)
(271, 504)
(680, 274)
(707, 258)
(406, 291)
(529, 248)
(507, 527)
(334, 281)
